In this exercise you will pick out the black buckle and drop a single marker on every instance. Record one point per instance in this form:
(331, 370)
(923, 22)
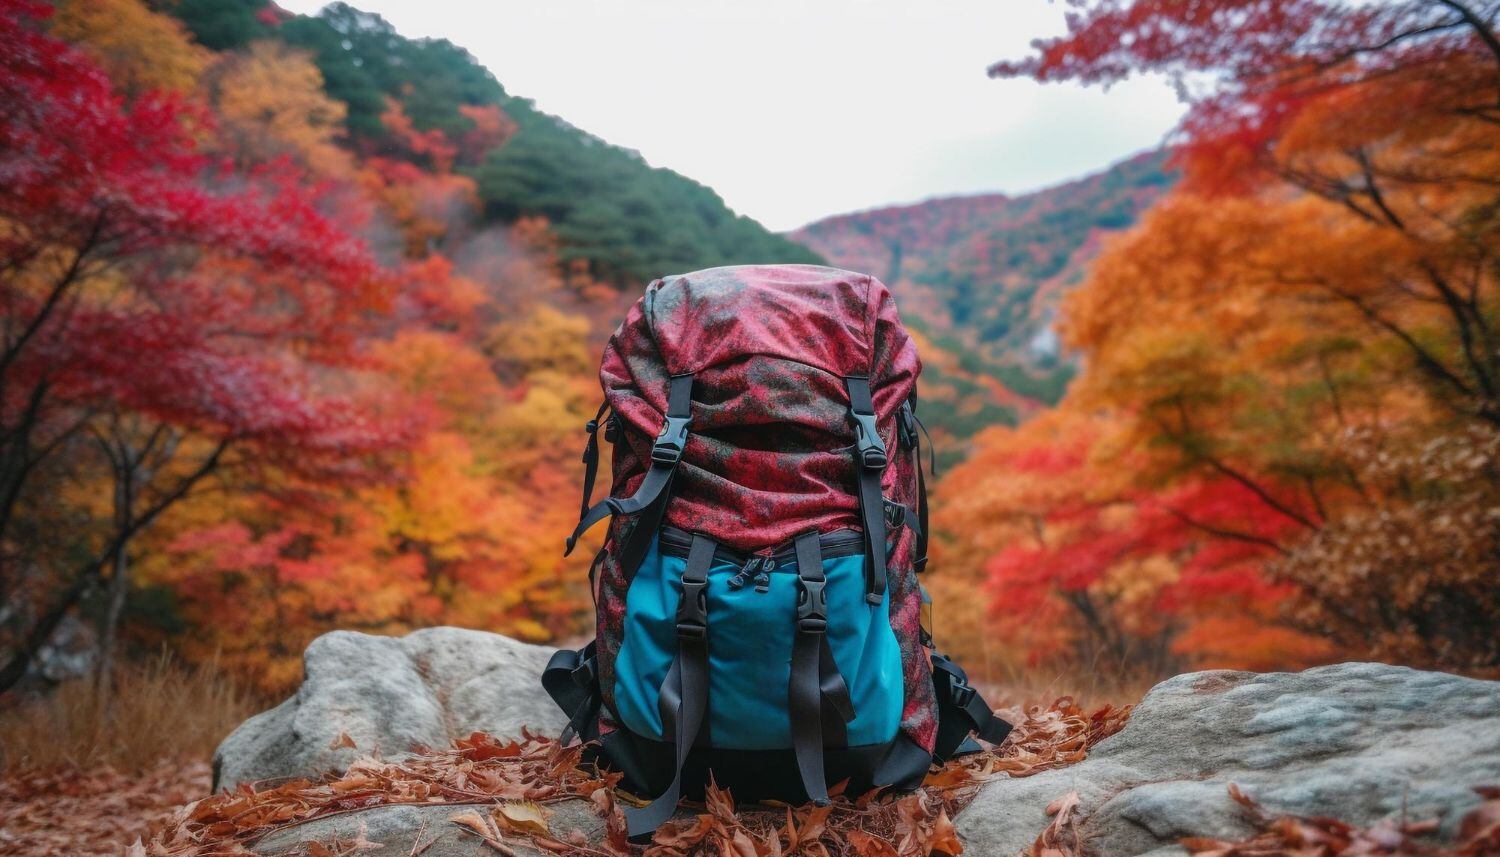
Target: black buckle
(961, 693)
(867, 436)
(612, 429)
(692, 610)
(671, 440)
(591, 426)
(812, 606)
(895, 514)
(907, 427)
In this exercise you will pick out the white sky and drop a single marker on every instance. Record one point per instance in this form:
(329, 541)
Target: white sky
(797, 109)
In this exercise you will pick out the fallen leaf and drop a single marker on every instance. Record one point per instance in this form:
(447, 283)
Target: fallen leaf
(525, 817)
(869, 845)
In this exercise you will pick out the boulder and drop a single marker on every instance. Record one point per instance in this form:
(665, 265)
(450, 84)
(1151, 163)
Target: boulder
(1356, 741)
(1359, 742)
(389, 695)
(405, 829)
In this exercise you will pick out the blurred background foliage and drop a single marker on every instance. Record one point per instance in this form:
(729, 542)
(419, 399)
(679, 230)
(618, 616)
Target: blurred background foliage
(301, 320)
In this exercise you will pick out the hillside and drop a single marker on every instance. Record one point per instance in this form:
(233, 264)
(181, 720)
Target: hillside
(628, 221)
(982, 275)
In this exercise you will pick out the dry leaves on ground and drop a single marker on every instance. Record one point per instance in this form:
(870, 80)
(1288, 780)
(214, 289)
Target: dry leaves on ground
(1293, 836)
(520, 777)
(92, 812)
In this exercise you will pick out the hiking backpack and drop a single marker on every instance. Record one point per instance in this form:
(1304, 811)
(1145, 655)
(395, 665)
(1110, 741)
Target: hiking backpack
(758, 610)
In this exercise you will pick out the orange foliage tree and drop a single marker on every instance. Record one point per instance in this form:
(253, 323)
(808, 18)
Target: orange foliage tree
(1311, 317)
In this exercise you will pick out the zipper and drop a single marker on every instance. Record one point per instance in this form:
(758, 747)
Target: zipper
(757, 567)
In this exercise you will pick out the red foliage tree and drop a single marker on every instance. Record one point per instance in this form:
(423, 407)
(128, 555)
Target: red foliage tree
(159, 310)
(1250, 68)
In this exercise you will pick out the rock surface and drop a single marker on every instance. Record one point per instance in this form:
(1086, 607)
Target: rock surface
(1354, 741)
(403, 830)
(1358, 742)
(390, 694)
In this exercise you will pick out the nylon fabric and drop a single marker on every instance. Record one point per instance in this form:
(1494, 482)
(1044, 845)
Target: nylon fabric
(750, 653)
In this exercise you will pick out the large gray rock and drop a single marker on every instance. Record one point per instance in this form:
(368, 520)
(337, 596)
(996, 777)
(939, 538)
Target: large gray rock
(406, 829)
(1359, 742)
(388, 695)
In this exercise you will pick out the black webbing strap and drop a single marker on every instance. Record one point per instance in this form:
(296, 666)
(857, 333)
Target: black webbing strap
(572, 681)
(869, 463)
(817, 697)
(911, 423)
(591, 459)
(961, 710)
(684, 694)
(650, 498)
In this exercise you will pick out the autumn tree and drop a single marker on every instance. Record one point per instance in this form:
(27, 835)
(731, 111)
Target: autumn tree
(1085, 569)
(139, 49)
(170, 319)
(1319, 298)
(270, 102)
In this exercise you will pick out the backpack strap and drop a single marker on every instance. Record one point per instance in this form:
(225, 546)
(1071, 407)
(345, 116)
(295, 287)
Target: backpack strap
(817, 696)
(961, 711)
(572, 680)
(869, 461)
(910, 424)
(591, 459)
(650, 498)
(684, 694)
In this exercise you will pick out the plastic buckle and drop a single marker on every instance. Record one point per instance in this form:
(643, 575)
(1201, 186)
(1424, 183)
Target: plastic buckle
(692, 610)
(612, 429)
(812, 606)
(961, 694)
(908, 426)
(895, 515)
(871, 447)
(671, 440)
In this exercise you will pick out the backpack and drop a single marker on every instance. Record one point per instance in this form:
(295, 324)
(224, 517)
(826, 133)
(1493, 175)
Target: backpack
(758, 610)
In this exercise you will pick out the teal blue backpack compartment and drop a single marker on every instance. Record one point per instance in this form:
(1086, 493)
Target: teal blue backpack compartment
(753, 635)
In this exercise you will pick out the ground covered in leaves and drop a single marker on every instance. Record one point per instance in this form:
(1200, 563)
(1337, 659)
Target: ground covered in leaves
(93, 812)
(513, 781)
(521, 777)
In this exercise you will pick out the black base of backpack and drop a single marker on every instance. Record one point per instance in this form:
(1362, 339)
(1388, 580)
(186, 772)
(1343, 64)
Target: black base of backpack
(648, 767)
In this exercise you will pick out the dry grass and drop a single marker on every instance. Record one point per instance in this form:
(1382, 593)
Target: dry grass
(1009, 688)
(161, 710)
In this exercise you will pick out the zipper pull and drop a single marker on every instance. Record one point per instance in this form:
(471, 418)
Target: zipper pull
(743, 576)
(763, 578)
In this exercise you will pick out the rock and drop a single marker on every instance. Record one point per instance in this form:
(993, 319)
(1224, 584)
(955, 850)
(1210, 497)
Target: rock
(403, 830)
(1358, 742)
(389, 695)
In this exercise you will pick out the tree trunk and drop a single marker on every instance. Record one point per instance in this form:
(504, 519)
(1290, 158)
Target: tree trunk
(119, 587)
(127, 477)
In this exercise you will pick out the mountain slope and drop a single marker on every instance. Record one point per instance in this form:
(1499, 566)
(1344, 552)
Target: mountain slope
(982, 276)
(627, 220)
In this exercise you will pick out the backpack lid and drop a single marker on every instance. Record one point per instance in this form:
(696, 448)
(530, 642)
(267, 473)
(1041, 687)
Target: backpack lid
(769, 347)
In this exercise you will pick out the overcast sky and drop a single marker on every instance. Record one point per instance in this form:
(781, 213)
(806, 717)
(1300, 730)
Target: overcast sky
(797, 109)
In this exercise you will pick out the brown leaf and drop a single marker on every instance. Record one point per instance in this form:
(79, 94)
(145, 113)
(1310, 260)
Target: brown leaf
(1060, 838)
(341, 742)
(477, 823)
(526, 818)
(868, 845)
(945, 837)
